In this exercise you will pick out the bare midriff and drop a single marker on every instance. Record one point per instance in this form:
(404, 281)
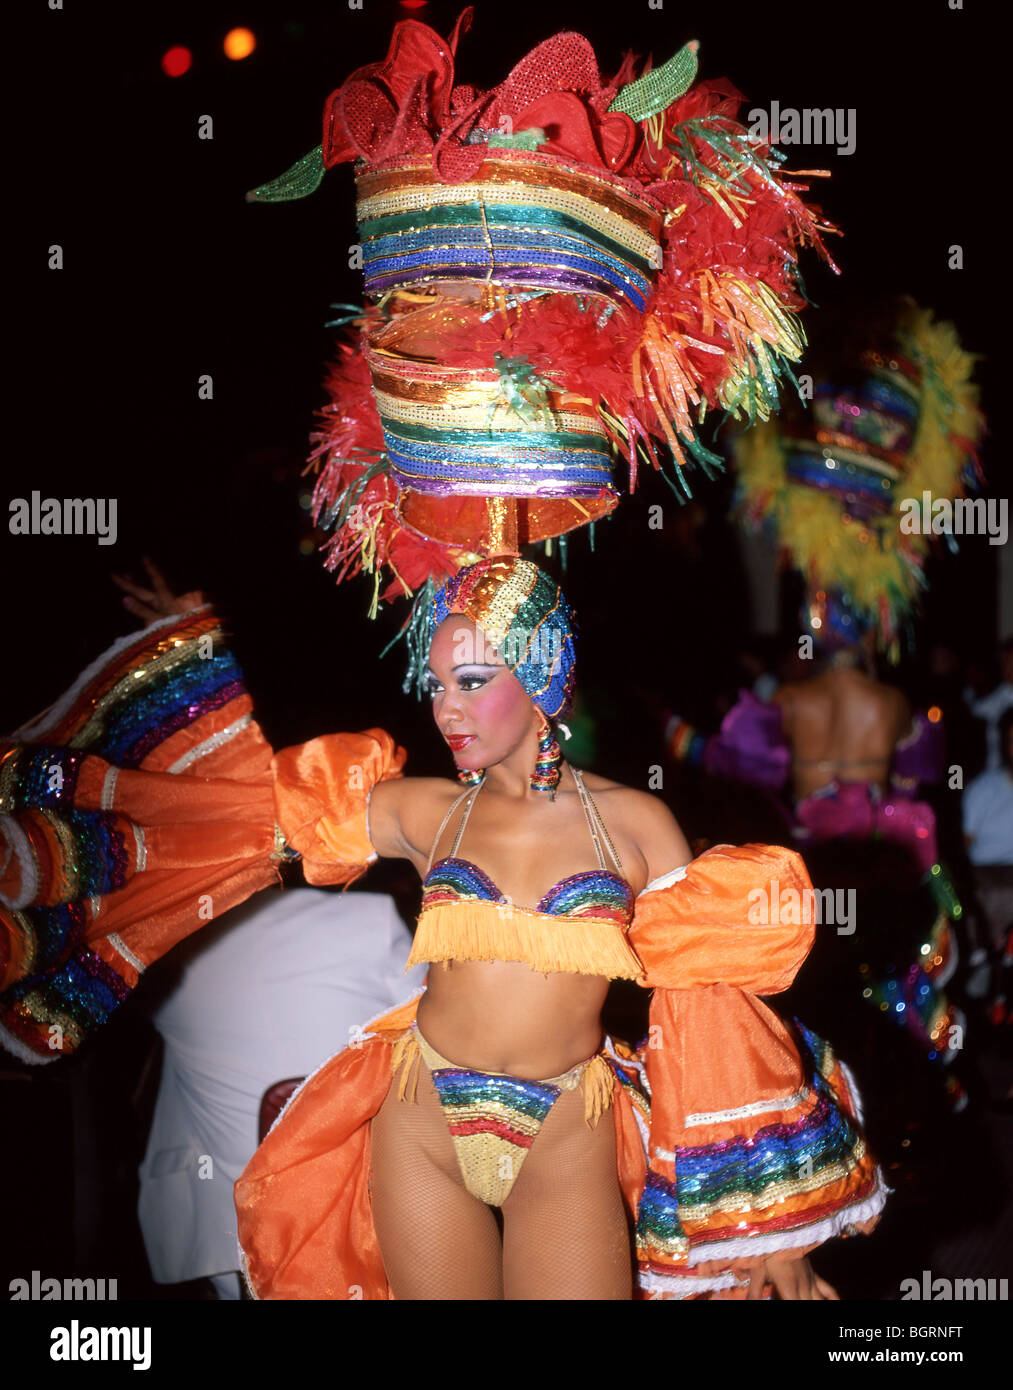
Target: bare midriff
(503, 1016)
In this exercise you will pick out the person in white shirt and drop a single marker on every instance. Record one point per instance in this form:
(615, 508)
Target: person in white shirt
(267, 994)
(988, 832)
(991, 707)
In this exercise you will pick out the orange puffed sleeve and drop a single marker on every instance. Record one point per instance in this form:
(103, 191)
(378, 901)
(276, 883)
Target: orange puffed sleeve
(736, 918)
(321, 791)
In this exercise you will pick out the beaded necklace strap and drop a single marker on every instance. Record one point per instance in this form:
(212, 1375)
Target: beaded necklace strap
(587, 798)
(443, 824)
(591, 814)
(464, 819)
(595, 838)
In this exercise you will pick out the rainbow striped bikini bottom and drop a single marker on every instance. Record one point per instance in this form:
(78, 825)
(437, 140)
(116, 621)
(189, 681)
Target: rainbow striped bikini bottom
(493, 1117)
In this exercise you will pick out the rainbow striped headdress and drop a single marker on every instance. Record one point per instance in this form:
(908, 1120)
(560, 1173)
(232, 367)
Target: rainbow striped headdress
(855, 448)
(567, 271)
(526, 617)
(892, 422)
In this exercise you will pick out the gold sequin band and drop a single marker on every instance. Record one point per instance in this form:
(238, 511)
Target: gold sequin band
(282, 848)
(520, 222)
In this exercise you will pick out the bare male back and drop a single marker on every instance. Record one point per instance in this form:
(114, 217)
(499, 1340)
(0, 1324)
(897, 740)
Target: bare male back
(841, 725)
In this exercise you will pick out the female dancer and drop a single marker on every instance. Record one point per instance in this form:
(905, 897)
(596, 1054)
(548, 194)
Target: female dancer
(437, 1233)
(496, 1090)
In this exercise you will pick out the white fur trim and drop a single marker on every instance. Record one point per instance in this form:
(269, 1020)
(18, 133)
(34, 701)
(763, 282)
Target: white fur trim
(815, 1234)
(22, 1051)
(665, 880)
(21, 846)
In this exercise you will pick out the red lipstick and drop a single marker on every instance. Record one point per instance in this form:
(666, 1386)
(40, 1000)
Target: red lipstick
(459, 741)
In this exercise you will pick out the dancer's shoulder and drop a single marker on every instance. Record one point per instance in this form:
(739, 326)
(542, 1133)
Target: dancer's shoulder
(403, 813)
(643, 818)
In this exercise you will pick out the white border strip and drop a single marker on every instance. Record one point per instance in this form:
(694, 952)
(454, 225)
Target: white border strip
(35, 728)
(756, 1107)
(210, 744)
(142, 849)
(109, 787)
(685, 1285)
(118, 944)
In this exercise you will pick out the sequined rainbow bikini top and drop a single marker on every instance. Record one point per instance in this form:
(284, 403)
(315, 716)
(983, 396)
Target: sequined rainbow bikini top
(578, 927)
(592, 893)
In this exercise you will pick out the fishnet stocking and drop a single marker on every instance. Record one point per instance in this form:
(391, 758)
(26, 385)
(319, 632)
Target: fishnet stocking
(565, 1233)
(436, 1239)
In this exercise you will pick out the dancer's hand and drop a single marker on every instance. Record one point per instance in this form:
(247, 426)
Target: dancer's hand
(792, 1279)
(157, 602)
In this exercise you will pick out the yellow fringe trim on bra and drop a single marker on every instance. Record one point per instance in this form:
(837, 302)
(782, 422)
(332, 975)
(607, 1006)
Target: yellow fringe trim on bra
(479, 930)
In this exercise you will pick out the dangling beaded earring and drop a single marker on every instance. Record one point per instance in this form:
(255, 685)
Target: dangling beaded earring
(545, 777)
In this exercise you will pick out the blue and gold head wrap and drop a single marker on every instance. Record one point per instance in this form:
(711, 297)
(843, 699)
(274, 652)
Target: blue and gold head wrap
(526, 617)
(832, 620)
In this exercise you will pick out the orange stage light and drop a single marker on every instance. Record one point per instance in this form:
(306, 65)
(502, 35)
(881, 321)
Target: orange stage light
(239, 43)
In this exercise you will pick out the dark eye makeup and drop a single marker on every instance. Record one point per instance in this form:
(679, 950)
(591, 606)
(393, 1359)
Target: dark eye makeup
(467, 680)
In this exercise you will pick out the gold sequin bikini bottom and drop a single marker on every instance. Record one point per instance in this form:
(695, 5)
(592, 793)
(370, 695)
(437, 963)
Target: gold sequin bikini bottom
(493, 1117)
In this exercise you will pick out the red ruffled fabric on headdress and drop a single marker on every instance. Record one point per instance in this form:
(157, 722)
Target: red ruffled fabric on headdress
(408, 105)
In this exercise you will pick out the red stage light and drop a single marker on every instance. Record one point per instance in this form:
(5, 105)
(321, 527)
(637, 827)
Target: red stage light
(176, 61)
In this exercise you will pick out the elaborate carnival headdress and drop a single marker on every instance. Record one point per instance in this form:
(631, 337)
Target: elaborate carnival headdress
(562, 272)
(840, 482)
